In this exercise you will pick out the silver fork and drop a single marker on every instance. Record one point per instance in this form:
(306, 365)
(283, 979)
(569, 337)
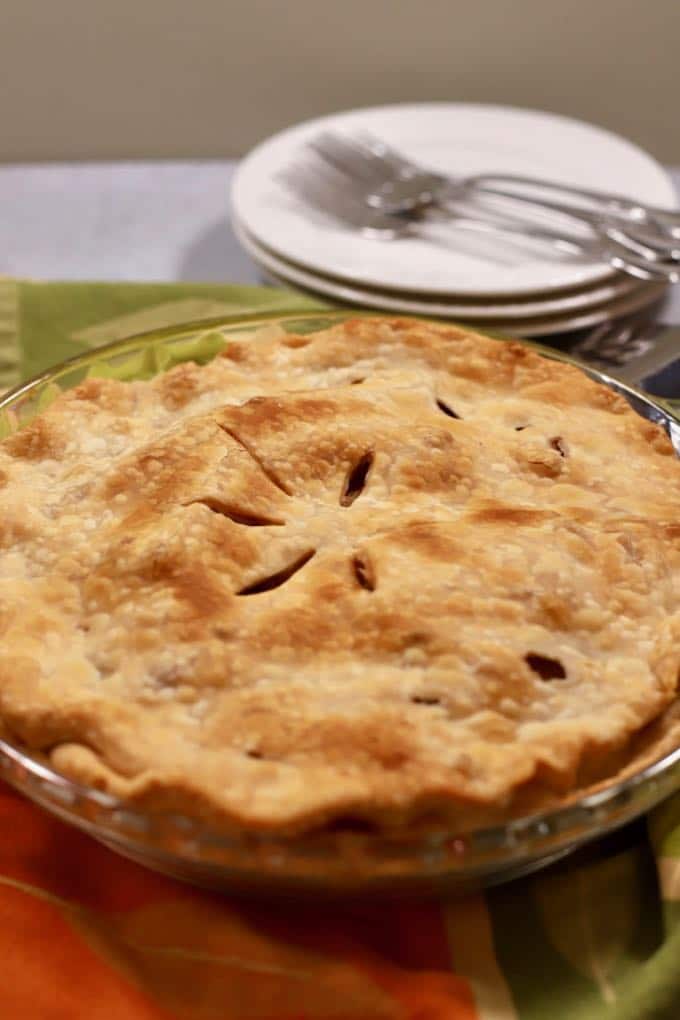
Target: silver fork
(395, 184)
(322, 188)
(633, 348)
(616, 343)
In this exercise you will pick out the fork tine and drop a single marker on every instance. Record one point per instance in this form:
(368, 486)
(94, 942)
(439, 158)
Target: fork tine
(385, 154)
(364, 155)
(350, 156)
(327, 191)
(314, 185)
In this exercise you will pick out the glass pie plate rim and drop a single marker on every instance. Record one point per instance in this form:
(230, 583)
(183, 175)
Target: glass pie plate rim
(190, 849)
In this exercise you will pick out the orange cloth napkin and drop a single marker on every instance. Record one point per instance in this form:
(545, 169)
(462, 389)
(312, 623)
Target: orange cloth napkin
(87, 935)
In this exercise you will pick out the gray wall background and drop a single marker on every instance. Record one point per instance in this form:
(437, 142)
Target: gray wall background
(86, 79)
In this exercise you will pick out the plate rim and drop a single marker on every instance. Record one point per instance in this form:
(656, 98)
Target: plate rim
(533, 326)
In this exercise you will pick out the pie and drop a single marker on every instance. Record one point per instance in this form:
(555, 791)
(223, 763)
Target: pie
(386, 574)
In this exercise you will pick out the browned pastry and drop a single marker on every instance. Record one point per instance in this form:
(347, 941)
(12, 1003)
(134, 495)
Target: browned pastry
(391, 571)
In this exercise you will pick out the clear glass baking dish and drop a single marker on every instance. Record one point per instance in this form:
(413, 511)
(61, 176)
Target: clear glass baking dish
(339, 861)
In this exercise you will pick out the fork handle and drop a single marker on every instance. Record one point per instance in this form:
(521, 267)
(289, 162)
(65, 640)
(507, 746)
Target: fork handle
(600, 249)
(638, 212)
(641, 239)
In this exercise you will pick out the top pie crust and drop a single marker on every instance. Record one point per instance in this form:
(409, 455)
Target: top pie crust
(391, 571)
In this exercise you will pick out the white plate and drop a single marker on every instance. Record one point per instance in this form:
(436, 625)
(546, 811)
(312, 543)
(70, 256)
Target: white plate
(542, 325)
(471, 309)
(457, 138)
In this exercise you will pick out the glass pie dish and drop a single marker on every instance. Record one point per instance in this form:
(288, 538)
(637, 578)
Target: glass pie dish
(337, 859)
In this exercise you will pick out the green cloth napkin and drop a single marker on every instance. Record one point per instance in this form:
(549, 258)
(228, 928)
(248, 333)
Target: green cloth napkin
(594, 937)
(43, 323)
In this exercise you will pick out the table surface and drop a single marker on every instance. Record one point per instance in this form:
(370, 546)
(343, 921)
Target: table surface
(132, 221)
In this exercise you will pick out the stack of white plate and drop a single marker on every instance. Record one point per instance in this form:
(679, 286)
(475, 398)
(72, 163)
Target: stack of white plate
(493, 282)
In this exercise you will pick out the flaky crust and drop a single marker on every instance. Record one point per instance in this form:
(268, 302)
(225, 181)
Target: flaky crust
(390, 572)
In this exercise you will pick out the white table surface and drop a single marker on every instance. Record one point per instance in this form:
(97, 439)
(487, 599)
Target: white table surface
(132, 221)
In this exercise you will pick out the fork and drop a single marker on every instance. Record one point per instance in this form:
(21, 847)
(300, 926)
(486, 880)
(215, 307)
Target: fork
(395, 184)
(637, 350)
(617, 345)
(322, 188)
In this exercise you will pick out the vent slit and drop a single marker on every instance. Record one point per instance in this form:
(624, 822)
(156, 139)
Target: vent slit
(280, 577)
(425, 699)
(296, 341)
(355, 481)
(545, 667)
(447, 410)
(557, 443)
(238, 516)
(264, 468)
(363, 571)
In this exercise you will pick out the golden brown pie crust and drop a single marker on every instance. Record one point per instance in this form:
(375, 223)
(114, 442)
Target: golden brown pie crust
(391, 571)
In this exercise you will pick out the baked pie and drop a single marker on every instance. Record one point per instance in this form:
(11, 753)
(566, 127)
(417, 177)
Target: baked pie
(386, 574)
